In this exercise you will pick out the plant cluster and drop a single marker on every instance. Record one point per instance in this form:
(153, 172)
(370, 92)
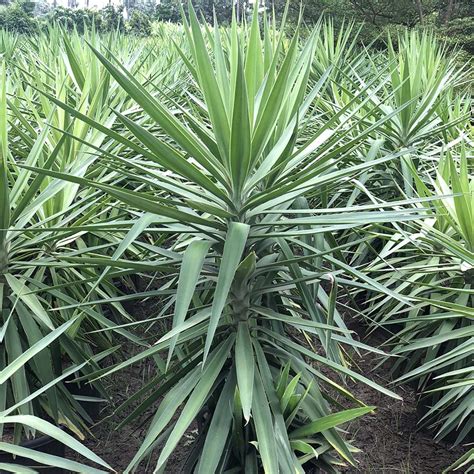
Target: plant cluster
(274, 191)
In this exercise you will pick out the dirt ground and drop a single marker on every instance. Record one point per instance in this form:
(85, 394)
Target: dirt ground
(117, 447)
(389, 439)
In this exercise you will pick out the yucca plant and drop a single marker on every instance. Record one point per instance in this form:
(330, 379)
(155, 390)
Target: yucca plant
(421, 80)
(253, 272)
(24, 316)
(348, 62)
(464, 462)
(434, 267)
(452, 302)
(35, 216)
(35, 424)
(8, 44)
(421, 74)
(41, 331)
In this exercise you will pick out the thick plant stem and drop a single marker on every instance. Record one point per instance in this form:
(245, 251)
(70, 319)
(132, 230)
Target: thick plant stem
(3, 264)
(240, 303)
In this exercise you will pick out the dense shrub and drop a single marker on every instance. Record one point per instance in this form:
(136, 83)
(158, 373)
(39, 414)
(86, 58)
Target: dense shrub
(107, 19)
(168, 10)
(460, 32)
(17, 17)
(76, 18)
(139, 23)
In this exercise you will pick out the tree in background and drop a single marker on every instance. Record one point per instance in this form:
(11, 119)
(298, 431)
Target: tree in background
(139, 23)
(18, 16)
(452, 19)
(456, 22)
(78, 18)
(169, 10)
(382, 12)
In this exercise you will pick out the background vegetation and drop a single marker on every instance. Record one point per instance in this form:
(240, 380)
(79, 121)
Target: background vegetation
(451, 20)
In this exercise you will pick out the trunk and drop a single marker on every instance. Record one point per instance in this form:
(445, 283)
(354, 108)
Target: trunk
(449, 11)
(419, 6)
(3, 263)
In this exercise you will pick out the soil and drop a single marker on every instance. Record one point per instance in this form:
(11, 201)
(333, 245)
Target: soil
(389, 440)
(117, 447)
(7, 436)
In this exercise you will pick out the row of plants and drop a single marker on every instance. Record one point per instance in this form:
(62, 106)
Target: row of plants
(274, 191)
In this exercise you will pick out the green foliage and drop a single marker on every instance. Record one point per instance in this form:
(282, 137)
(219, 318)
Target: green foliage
(43, 338)
(459, 31)
(107, 19)
(17, 18)
(450, 20)
(245, 269)
(139, 23)
(431, 261)
(266, 183)
(436, 341)
(168, 10)
(112, 18)
(79, 19)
